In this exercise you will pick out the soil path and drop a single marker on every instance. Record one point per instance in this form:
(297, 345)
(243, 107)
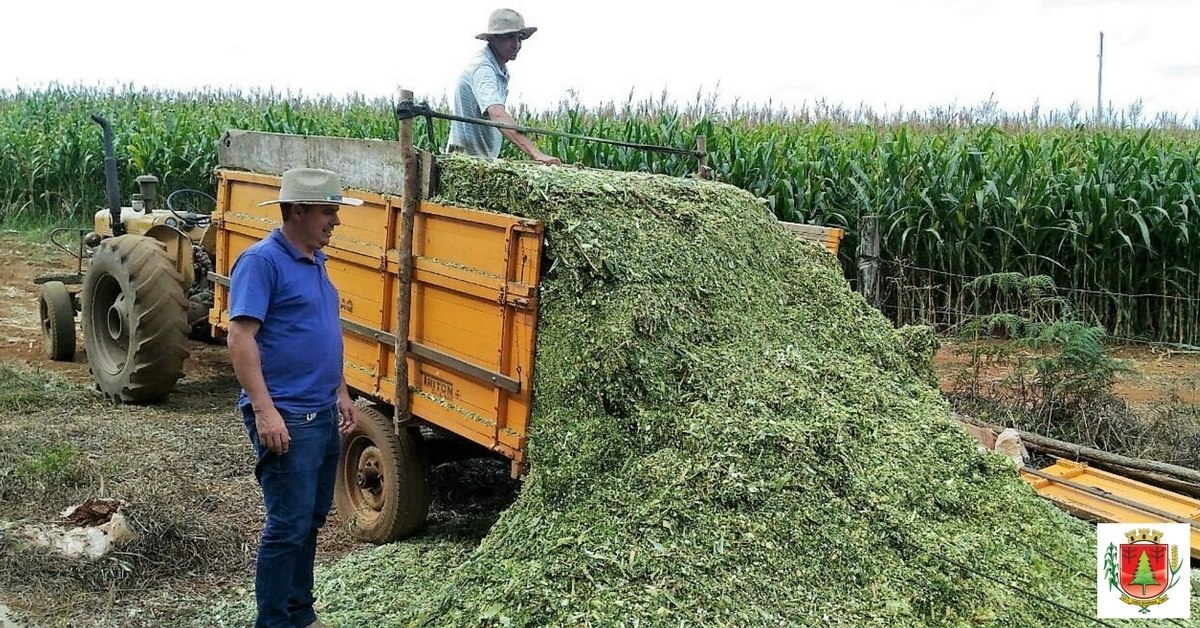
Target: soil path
(1158, 373)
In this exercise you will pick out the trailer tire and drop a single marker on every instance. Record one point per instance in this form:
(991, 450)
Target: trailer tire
(57, 312)
(382, 491)
(134, 317)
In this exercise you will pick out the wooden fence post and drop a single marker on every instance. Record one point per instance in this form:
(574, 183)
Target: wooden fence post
(702, 170)
(868, 260)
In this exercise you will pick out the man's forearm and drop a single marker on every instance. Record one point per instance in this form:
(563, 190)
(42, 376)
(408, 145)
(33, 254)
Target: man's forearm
(497, 113)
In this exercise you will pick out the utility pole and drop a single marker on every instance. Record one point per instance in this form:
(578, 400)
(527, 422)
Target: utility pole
(1100, 83)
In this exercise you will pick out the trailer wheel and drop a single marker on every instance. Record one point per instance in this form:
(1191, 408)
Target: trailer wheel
(134, 317)
(57, 311)
(382, 490)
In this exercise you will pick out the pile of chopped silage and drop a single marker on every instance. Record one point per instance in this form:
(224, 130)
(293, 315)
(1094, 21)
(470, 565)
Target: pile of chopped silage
(724, 434)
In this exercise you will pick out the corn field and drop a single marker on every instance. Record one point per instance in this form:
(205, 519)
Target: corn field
(1107, 211)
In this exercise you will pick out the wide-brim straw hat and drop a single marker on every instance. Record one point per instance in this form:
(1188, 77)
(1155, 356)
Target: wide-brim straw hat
(506, 22)
(312, 186)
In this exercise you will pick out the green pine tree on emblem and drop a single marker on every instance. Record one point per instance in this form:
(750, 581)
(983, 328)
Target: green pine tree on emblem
(1144, 575)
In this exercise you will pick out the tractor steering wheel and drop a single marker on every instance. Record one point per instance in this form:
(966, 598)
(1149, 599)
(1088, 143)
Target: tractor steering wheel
(193, 207)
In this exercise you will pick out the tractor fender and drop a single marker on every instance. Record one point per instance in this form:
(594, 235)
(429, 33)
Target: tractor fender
(179, 248)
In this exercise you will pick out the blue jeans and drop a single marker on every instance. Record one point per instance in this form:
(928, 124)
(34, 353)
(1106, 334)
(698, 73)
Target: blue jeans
(297, 491)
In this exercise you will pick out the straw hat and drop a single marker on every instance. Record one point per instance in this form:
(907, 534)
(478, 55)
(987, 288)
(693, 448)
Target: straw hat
(312, 186)
(506, 22)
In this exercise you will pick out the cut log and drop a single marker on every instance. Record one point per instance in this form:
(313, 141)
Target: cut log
(1088, 454)
(1170, 483)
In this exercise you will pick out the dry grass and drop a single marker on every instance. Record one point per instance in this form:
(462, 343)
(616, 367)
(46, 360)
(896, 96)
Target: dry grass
(183, 470)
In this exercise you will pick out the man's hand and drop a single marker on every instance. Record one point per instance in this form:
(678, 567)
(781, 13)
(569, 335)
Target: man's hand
(349, 414)
(272, 431)
(549, 160)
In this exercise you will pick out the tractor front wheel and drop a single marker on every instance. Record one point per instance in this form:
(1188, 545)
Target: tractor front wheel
(134, 317)
(57, 312)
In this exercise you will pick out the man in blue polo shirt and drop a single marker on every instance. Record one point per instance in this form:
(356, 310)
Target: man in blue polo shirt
(483, 90)
(285, 342)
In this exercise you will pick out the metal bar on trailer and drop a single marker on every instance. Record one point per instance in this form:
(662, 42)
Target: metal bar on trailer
(433, 356)
(466, 368)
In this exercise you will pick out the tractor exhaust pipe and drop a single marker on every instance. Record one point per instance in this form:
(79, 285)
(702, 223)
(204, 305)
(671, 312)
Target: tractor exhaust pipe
(110, 176)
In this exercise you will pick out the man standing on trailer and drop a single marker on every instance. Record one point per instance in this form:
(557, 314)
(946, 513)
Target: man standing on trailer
(483, 90)
(285, 342)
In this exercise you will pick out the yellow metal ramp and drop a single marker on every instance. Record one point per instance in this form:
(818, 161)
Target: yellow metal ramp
(1101, 496)
(828, 238)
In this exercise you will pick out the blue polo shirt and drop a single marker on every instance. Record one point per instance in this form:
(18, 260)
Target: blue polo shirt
(300, 341)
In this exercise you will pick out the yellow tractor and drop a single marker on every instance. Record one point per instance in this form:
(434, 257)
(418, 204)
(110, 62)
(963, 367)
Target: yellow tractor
(144, 289)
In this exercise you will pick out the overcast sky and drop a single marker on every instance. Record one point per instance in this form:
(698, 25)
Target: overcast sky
(885, 54)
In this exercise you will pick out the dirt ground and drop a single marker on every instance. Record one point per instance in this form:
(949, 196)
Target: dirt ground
(185, 466)
(191, 454)
(191, 448)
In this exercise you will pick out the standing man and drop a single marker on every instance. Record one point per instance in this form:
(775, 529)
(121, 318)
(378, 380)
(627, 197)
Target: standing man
(285, 342)
(483, 89)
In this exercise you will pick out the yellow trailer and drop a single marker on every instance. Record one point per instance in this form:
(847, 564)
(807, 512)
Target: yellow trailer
(471, 329)
(1096, 495)
(474, 304)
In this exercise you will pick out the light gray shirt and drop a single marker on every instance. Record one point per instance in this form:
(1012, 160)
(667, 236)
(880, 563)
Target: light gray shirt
(483, 84)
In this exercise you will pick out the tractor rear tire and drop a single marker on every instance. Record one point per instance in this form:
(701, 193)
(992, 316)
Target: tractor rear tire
(57, 312)
(134, 316)
(382, 490)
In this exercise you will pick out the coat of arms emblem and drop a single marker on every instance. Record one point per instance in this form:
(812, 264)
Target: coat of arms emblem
(1143, 569)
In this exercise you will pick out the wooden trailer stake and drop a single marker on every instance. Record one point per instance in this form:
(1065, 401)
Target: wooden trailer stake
(412, 192)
